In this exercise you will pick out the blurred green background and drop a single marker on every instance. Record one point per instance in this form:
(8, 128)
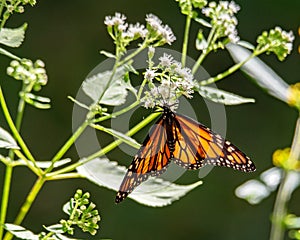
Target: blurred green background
(68, 36)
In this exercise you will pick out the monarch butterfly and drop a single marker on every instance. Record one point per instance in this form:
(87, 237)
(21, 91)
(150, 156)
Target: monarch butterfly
(188, 143)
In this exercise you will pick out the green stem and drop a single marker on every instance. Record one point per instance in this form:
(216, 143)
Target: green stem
(29, 164)
(280, 209)
(14, 129)
(105, 150)
(20, 114)
(205, 52)
(5, 17)
(132, 55)
(26, 206)
(19, 118)
(199, 61)
(227, 72)
(5, 197)
(113, 115)
(65, 176)
(1, 10)
(186, 40)
(9, 168)
(285, 191)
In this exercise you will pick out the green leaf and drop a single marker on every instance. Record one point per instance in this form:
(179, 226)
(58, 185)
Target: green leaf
(203, 22)
(20, 232)
(126, 139)
(13, 37)
(67, 208)
(8, 54)
(246, 45)
(223, 97)
(56, 228)
(261, 74)
(201, 42)
(7, 141)
(58, 232)
(107, 54)
(254, 191)
(36, 101)
(154, 192)
(114, 94)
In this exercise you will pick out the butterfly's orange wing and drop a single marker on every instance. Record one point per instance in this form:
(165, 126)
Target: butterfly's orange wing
(196, 146)
(151, 160)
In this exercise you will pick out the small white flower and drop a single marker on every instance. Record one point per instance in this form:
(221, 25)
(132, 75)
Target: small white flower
(212, 4)
(165, 90)
(138, 30)
(167, 34)
(207, 11)
(151, 51)
(289, 36)
(224, 4)
(122, 27)
(148, 102)
(149, 74)
(166, 60)
(118, 19)
(234, 7)
(153, 21)
(233, 37)
(162, 30)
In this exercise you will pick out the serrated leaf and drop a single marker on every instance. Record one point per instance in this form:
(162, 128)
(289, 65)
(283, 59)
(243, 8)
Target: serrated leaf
(261, 74)
(44, 164)
(154, 192)
(13, 37)
(114, 94)
(223, 97)
(7, 141)
(20, 232)
(203, 22)
(107, 54)
(8, 54)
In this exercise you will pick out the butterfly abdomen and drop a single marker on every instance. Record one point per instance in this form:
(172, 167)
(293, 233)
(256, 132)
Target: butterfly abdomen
(169, 122)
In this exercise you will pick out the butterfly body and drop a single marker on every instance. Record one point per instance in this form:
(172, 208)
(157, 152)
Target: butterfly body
(188, 143)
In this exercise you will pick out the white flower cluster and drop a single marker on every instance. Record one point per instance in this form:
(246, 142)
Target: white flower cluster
(155, 30)
(223, 19)
(287, 38)
(182, 77)
(117, 20)
(164, 31)
(174, 82)
(161, 95)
